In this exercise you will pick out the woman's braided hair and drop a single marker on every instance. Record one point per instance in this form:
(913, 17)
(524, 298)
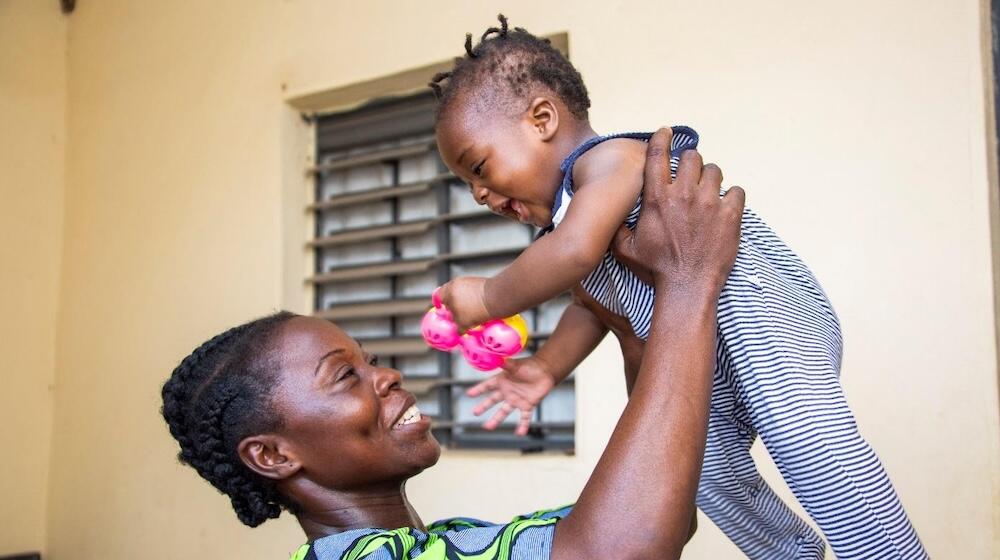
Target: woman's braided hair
(508, 65)
(219, 395)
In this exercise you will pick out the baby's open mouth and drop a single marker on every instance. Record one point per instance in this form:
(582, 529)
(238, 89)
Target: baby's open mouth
(514, 210)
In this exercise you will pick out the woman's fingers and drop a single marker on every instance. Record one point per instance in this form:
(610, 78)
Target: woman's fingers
(711, 181)
(686, 233)
(733, 201)
(735, 198)
(658, 152)
(689, 172)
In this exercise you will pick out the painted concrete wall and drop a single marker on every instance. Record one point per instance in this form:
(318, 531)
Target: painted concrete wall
(858, 131)
(32, 154)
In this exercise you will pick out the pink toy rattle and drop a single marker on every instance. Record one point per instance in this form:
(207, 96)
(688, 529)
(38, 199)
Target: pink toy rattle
(484, 346)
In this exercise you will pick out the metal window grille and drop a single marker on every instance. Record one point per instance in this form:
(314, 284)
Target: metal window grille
(392, 224)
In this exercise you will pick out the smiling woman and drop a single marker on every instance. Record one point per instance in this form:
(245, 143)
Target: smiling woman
(342, 421)
(289, 412)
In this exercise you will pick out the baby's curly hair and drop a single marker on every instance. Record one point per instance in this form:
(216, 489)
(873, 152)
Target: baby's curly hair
(219, 395)
(505, 67)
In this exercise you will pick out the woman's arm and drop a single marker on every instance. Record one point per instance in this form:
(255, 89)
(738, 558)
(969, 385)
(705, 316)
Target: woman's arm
(639, 501)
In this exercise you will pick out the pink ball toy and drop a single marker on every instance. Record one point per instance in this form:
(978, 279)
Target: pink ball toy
(440, 332)
(500, 338)
(478, 355)
(484, 347)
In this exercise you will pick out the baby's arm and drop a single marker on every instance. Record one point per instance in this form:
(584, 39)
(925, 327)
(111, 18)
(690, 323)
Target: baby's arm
(576, 335)
(609, 179)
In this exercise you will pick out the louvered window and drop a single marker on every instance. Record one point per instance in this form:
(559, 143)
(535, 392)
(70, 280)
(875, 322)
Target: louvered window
(392, 224)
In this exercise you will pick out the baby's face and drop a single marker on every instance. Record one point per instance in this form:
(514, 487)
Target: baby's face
(506, 165)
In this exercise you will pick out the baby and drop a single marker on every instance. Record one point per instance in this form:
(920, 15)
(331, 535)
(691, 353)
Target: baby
(512, 122)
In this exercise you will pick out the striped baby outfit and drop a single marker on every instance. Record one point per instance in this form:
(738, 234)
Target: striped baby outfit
(777, 373)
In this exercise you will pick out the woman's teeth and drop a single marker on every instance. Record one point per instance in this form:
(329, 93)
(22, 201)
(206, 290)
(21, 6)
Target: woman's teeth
(411, 415)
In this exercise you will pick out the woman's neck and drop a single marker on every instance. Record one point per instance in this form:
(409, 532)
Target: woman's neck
(328, 512)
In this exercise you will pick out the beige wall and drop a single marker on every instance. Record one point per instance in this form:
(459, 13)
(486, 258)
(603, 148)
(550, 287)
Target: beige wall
(858, 132)
(32, 152)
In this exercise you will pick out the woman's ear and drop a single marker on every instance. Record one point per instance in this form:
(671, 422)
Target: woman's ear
(544, 117)
(267, 455)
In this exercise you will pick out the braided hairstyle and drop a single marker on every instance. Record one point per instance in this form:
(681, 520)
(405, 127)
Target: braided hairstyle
(219, 395)
(505, 67)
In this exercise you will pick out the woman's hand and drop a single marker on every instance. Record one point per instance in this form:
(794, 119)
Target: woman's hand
(687, 234)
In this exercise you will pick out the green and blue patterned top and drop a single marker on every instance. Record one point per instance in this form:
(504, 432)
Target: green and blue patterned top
(528, 537)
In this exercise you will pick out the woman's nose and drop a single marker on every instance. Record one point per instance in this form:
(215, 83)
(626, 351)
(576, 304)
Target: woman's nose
(387, 379)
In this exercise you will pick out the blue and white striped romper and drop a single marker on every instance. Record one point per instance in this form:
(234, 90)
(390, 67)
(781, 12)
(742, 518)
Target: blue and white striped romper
(777, 375)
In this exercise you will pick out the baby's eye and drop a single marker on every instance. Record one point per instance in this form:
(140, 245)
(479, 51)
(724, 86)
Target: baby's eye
(478, 170)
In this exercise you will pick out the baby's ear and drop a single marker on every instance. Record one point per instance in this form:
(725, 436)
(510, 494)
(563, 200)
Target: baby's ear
(544, 117)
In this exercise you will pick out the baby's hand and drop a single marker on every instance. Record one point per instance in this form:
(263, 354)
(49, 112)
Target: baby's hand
(465, 298)
(521, 385)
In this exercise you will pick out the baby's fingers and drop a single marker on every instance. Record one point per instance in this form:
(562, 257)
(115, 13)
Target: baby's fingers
(482, 387)
(498, 417)
(524, 423)
(487, 403)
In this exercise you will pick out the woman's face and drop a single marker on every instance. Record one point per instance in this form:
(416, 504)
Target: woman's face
(348, 421)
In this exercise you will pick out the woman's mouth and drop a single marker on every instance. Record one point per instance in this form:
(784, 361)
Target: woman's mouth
(410, 416)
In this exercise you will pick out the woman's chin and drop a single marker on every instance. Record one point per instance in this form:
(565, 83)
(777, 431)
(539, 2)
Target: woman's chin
(425, 454)
(433, 453)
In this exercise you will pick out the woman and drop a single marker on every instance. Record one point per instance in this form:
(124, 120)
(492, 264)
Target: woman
(290, 412)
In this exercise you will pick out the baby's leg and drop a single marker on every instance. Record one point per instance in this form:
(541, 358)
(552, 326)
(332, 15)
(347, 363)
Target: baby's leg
(784, 346)
(735, 497)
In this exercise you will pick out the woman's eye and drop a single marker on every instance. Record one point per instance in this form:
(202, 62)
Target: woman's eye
(347, 373)
(373, 360)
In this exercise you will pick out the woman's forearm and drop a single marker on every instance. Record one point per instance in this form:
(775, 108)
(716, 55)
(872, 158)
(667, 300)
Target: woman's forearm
(641, 493)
